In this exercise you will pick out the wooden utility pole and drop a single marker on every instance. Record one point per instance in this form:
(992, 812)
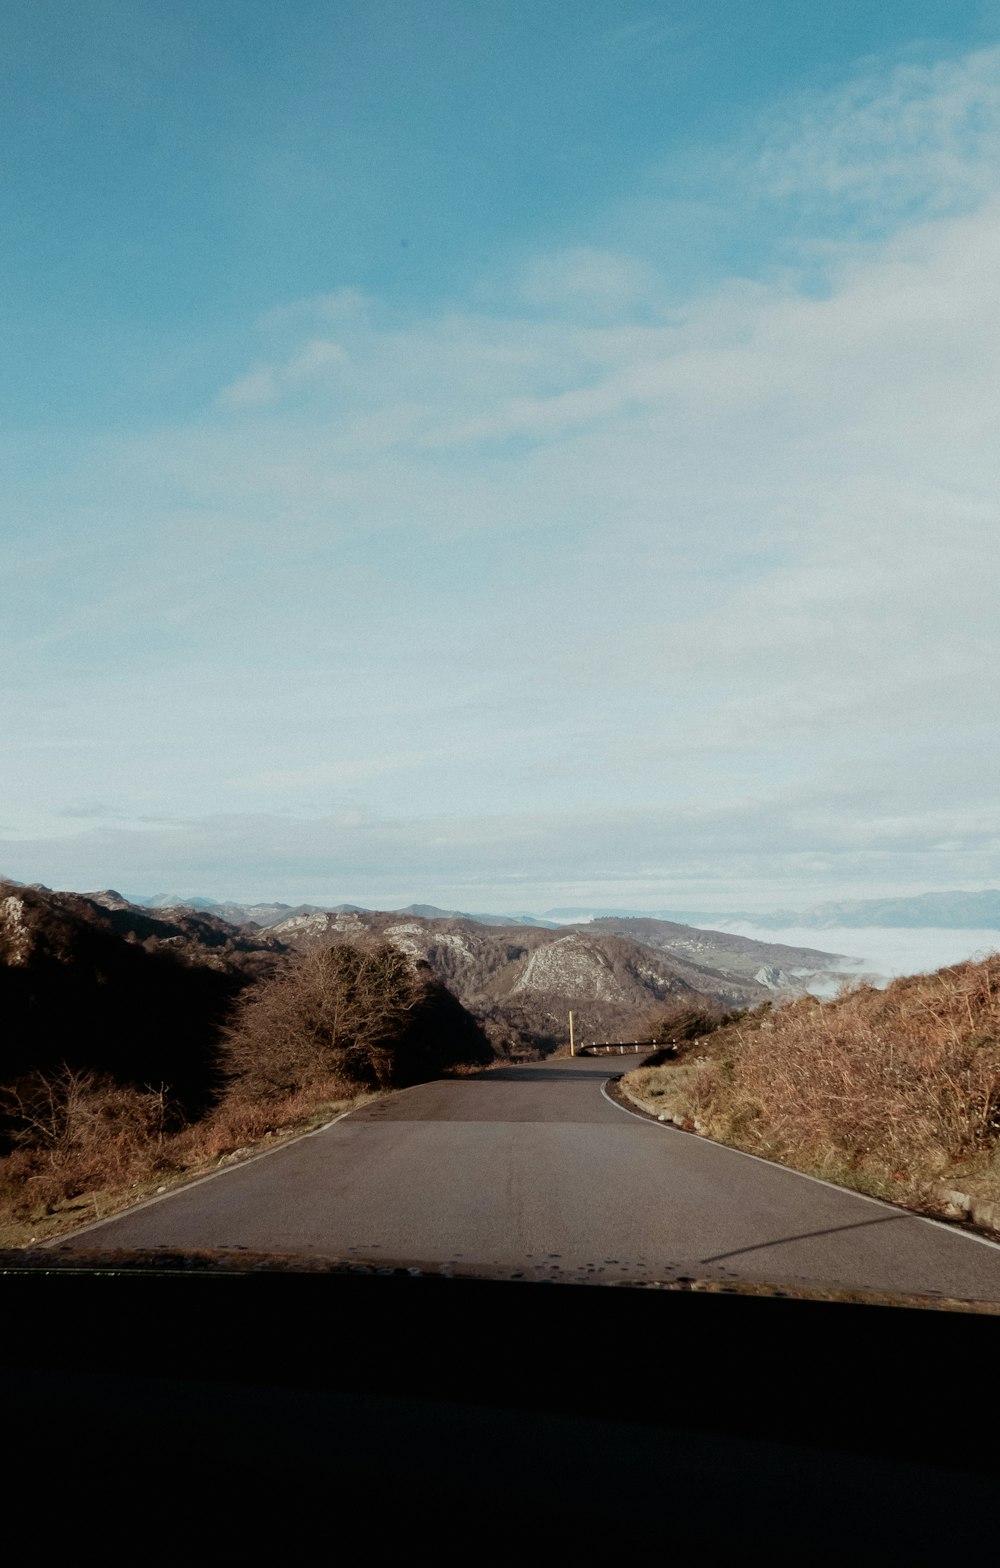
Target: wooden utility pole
(572, 1048)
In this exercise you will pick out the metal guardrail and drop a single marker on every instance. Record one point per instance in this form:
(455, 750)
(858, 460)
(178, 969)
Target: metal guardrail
(619, 1048)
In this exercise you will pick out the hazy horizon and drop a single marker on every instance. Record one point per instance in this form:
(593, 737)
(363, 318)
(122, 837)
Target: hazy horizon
(725, 906)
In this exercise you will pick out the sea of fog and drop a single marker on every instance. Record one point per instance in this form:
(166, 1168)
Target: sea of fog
(885, 951)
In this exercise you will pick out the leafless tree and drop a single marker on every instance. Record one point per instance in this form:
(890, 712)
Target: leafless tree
(341, 1009)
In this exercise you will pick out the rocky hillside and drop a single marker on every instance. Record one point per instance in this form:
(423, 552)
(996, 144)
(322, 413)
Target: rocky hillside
(521, 981)
(790, 970)
(712, 962)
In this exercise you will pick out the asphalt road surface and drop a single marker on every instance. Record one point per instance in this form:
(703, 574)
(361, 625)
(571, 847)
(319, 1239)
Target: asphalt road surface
(532, 1171)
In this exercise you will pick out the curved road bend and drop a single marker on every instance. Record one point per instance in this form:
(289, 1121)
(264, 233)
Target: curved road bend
(531, 1169)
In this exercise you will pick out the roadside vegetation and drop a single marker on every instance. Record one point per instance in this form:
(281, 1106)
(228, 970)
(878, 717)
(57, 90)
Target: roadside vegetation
(895, 1093)
(320, 1033)
(103, 1146)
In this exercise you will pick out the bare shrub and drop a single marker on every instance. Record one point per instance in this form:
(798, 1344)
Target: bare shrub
(71, 1130)
(340, 1010)
(680, 1023)
(80, 1112)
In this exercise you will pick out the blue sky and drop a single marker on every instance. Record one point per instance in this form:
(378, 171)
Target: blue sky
(500, 455)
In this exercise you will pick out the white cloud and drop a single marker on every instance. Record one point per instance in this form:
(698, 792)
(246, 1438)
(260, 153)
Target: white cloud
(926, 133)
(261, 385)
(266, 383)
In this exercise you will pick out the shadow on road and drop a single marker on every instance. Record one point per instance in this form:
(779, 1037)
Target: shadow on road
(807, 1235)
(541, 1074)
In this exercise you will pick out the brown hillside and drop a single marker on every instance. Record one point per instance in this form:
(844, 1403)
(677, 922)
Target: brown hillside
(895, 1092)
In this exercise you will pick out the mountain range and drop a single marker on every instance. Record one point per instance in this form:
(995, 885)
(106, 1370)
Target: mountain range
(520, 981)
(956, 911)
(98, 977)
(732, 969)
(271, 914)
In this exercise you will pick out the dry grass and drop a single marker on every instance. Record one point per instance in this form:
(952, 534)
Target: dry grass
(891, 1092)
(101, 1147)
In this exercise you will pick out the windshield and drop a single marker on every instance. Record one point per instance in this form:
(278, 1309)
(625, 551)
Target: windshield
(498, 764)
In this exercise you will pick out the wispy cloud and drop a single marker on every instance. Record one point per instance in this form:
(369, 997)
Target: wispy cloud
(266, 383)
(648, 32)
(923, 136)
(90, 811)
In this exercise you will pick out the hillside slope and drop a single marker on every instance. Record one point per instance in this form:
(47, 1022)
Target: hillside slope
(789, 970)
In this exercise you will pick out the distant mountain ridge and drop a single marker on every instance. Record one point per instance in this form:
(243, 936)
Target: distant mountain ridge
(432, 912)
(948, 911)
(270, 914)
(955, 910)
(735, 970)
(951, 911)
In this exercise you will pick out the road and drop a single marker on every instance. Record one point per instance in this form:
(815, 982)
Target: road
(533, 1171)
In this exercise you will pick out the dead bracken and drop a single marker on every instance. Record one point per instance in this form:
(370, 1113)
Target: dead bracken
(895, 1093)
